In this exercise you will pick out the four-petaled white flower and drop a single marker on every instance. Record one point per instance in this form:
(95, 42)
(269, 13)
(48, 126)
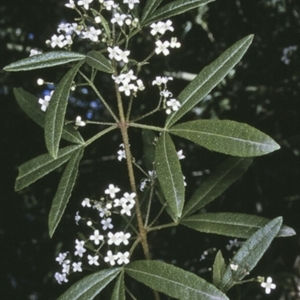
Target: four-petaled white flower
(126, 87)
(123, 237)
(60, 277)
(86, 202)
(79, 248)
(96, 237)
(106, 223)
(66, 267)
(77, 217)
(174, 43)
(77, 266)
(45, 102)
(79, 122)
(162, 47)
(161, 27)
(93, 260)
(118, 18)
(113, 238)
(112, 190)
(126, 209)
(61, 257)
(180, 155)
(159, 80)
(121, 155)
(84, 3)
(110, 258)
(57, 41)
(123, 258)
(268, 285)
(131, 3)
(70, 4)
(173, 104)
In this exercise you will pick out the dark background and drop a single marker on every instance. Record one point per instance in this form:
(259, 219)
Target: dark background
(264, 92)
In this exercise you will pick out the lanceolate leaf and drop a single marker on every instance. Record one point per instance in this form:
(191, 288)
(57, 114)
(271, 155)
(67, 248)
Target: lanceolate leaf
(219, 268)
(91, 285)
(231, 224)
(98, 61)
(148, 137)
(55, 114)
(64, 191)
(172, 9)
(169, 173)
(44, 60)
(250, 253)
(40, 166)
(208, 78)
(173, 281)
(30, 106)
(217, 182)
(228, 137)
(149, 8)
(119, 289)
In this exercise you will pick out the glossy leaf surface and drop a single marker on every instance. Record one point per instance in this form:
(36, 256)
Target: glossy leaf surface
(169, 173)
(64, 191)
(148, 137)
(219, 268)
(44, 60)
(173, 281)
(91, 285)
(231, 224)
(55, 114)
(30, 106)
(228, 137)
(250, 253)
(119, 289)
(98, 61)
(40, 166)
(217, 182)
(208, 78)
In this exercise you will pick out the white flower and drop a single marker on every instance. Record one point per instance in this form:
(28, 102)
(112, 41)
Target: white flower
(34, 52)
(96, 237)
(93, 260)
(40, 81)
(97, 20)
(45, 102)
(124, 56)
(92, 34)
(121, 155)
(123, 237)
(118, 18)
(84, 3)
(60, 277)
(79, 248)
(66, 267)
(110, 258)
(128, 198)
(234, 267)
(180, 155)
(131, 3)
(140, 85)
(113, 238)
(161, 27)
(57, 41)
(126, 209)
(268, 285)
(61, 257)
(106, 223)
(174, 43)
(114, 53)
(77, 217)
(166, 93)
(162, 47)
(123, 258)
(77, 266)
(161, 80)
(79, 122)
(126, 87)
(173, 104)
(109, 4)
(112, 190)
(70, 4)
(86, 202)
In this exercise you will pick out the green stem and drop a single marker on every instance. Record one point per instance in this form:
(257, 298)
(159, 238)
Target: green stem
(159, 227)
(99, 134)
(144, 126)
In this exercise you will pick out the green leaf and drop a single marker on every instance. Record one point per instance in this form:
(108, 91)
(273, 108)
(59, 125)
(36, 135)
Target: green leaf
(40, 166)
(149, 8)
(250, 253)
(173, 281)
(208, 78)
(172, 9)
(55, 114)
(44, 60)
(231, 224)
(218, 269)
(149, 137)
(218, 181)
(30, 106)
(228, 137)
(64, 191)
(98, 61)
(91, 285)
(169, 173)
(119, 289)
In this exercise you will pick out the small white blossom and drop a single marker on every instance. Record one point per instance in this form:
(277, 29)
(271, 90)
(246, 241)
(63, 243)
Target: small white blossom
(173, 104)
(66, 267)
(61, 257)
(234, 267)
(123, 237)
(112, 190)
(114, 53)
(118, 18)
(34, 52)
(93, 260)
(77, 217)
(131, 3)
(106, 223)
(97, 20)
(77, 266)
(128, 198)
(60, 277)
(161, 27)
(124, 56)
(79, 122)
(180, 155)
(123, 258)
(121, 155)
(166, 93)
(57, 41)
(79, 248)
(162, 47)
(140, 85)
(174, 43)
(86, 202)
(113, 238)
(268, 285)
(84, 3)
(45, 102)
(109, 5)
(126, 209)
(110, 258)
(161, 80)
(92, 34)
(70, 4)
(126, 87)
(96, 237)
(40, 81)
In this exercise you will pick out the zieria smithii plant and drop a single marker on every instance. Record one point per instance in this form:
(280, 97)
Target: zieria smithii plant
(117, 224)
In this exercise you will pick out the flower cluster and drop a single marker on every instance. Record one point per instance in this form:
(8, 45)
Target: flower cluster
(99, 238)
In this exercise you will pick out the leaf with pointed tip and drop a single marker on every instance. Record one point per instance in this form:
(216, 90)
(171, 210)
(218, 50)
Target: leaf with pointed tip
(55, 114)
(64, 191)
(169, 173)
(228, 137)
(250, 253)
(208, 78)
(119, 289)
(149, 8)
(173, 281)
(172, 9)
(40, 166)
(231, 224)
(91, 285)
(30, 106)
(44, 60)
(98, 61)
(219, 268)
(218, 181)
